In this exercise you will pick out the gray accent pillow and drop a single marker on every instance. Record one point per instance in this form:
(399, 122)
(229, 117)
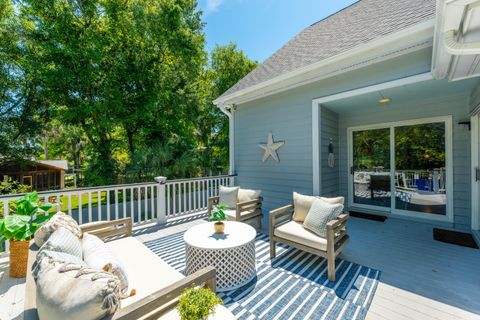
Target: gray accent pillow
(98, 255)
(248, 194)
(320, 214)
(228, 196)
(73, 292)
(63, 242)
(60, 219)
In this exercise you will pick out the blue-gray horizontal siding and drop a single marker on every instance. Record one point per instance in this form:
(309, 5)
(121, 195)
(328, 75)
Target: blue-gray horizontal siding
(457, 106)
(475, 99)
(329, 133)
(288, 115)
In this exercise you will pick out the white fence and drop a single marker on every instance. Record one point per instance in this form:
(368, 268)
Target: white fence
(142, 202)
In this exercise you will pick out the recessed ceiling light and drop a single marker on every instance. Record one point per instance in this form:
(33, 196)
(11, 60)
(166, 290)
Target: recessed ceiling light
(384, 100)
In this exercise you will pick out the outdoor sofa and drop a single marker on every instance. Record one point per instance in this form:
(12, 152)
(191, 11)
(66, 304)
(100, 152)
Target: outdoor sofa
(157, 285)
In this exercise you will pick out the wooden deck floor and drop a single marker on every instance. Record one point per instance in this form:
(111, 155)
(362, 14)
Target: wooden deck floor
(421, 278)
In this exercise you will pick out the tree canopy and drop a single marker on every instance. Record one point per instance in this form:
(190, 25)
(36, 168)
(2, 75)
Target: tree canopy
(123, 90)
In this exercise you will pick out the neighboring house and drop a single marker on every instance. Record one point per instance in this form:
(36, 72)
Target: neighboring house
(40, 175)
(392, 87)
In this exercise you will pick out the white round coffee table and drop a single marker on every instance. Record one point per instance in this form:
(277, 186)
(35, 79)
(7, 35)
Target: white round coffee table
(231, 253)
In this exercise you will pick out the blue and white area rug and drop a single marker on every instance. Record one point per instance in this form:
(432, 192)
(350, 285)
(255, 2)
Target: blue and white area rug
(293, 286)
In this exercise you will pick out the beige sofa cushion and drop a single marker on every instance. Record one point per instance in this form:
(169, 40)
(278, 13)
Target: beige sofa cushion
(228, 196)
(147, 273)
(301, 204)
(295, 232)
(248, 195)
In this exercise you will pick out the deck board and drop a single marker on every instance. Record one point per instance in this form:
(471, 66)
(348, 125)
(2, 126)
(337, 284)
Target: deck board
(421, 278)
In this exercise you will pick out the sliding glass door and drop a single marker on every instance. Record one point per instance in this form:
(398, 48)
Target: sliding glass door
(420, 168)
(402, 167)
(371, 167)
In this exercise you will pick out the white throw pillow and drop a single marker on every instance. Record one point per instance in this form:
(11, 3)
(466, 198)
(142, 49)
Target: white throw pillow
(334, 200)
(248, 195)
(73, 292)
(60, 219)
(320, 214)
(228, 196)
(301, 204)
(61, 241)
(98, 255)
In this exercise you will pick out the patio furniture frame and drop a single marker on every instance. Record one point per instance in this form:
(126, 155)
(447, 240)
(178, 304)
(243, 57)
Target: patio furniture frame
(152, 306)
(337, 237)
(254, 206)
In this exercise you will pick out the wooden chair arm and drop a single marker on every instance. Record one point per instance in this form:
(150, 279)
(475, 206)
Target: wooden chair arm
(276, 212)
(285, 213)
(341, 220)
(107, 229)
(162, 301)
(337, 232)
(250, 206)
(212, 201)
(250, 202)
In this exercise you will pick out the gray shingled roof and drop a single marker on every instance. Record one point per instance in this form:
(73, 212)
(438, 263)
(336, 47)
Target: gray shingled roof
(363, 21)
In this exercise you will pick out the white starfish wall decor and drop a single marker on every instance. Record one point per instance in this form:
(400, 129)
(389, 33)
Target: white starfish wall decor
(270, 148)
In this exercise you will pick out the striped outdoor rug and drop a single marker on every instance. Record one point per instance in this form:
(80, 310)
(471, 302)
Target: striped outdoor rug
(294, 286)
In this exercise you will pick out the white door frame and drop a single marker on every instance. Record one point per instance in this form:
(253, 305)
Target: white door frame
(316, 105)
(448, 163)
(475, 139)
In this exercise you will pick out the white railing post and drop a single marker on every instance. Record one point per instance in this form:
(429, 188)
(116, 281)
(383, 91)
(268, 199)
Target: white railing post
(161, 200)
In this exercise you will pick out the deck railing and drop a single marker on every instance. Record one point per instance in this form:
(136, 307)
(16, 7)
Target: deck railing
(142, 202)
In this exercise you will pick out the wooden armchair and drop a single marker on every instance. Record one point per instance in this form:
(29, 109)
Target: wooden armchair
(244, 211)
(283, 229)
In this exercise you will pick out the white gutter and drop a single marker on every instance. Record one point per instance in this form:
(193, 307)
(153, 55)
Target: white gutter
(231, 134)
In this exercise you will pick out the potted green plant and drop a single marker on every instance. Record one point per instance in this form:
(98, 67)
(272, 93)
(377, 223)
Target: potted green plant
(19, 228)
(218, 215)
(197, 303)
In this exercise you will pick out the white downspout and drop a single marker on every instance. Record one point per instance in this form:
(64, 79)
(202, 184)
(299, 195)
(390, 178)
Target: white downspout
(457, 48)
(450, 37)
(231, 134)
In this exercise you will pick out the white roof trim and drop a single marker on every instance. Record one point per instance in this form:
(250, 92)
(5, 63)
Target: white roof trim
(374, 88)
(404, 38)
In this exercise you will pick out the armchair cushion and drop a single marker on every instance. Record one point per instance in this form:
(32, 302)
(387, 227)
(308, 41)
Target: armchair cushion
(228, 196)
(248, 195)
(334, 200)
(301, 204)
(320, 214)
(295, 232)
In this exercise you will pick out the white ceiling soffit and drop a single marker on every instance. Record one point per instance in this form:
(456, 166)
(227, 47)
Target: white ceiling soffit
(456, 52)
(408, 40)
